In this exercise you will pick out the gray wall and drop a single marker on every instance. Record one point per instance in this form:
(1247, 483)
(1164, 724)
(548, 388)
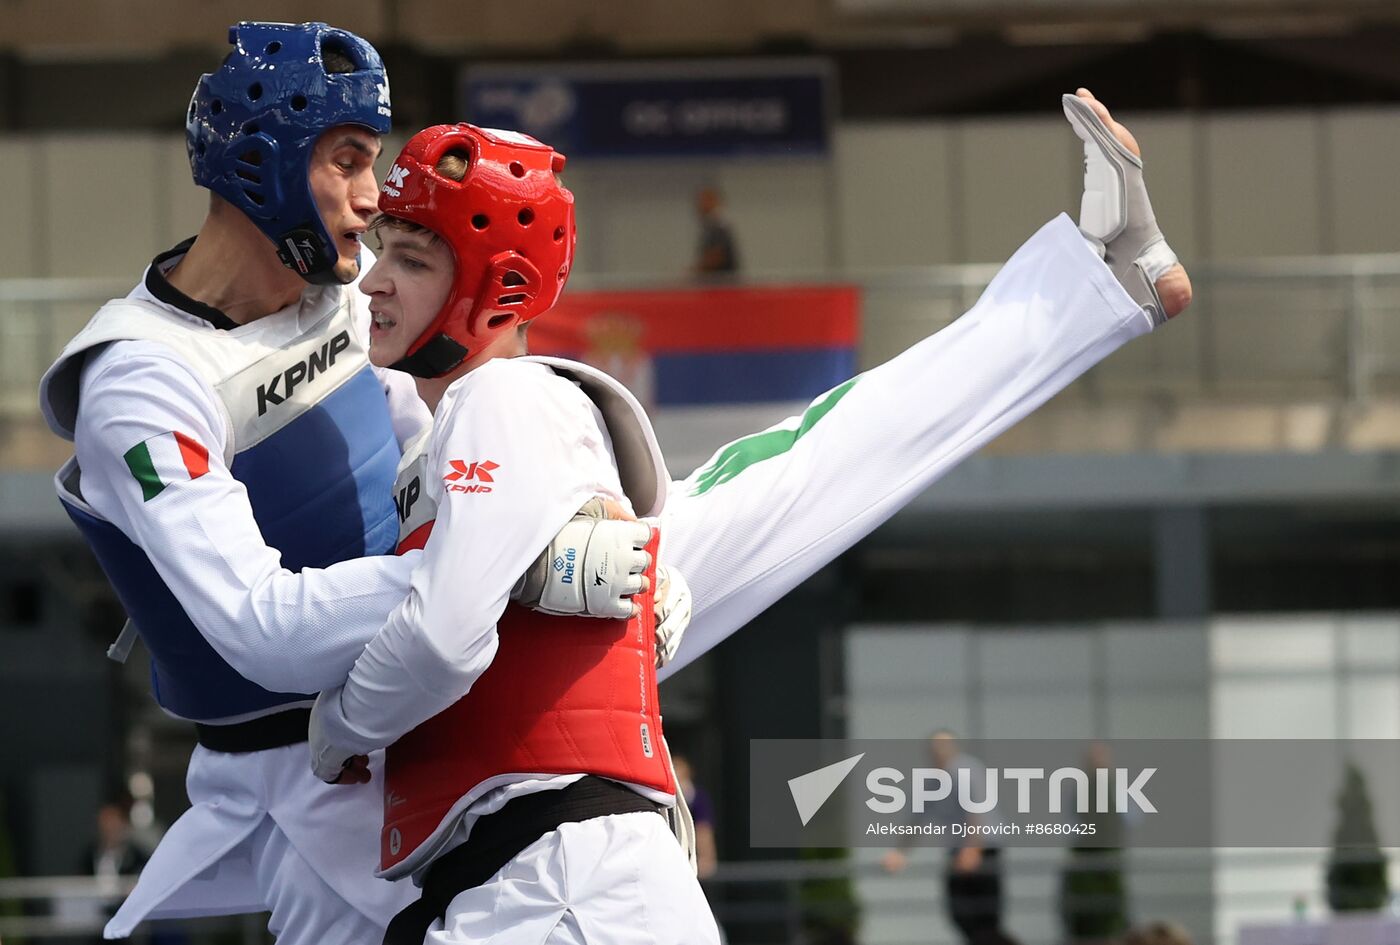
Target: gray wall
(1225, 186)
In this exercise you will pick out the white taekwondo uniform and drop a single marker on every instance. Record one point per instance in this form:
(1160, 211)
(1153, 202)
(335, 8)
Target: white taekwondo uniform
(765, 513)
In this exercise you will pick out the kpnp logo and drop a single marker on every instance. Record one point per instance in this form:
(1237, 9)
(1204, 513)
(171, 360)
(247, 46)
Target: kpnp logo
(393, 183)
(382, 87)
(459, 479)
(318, 361)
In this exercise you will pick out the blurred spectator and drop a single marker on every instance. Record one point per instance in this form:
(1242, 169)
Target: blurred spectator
(1093, 895)
(113, 854)
(972, 883)
(1158, 933)
(718, 253)
(702, 811)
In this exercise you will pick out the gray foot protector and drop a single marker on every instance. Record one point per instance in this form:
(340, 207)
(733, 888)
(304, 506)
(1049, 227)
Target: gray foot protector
(1115, 214)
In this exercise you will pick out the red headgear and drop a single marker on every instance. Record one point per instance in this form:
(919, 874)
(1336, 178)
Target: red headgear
(509, 224)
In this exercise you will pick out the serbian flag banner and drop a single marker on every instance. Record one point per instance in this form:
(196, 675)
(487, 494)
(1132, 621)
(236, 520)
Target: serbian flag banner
(710, 346)
(163, 459)
(710, 364)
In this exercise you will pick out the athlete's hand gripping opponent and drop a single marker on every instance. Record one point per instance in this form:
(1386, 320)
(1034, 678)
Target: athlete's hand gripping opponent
(592, 568)
(611, 566)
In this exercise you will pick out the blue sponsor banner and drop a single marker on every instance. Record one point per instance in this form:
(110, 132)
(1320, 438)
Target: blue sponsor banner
(680, 109)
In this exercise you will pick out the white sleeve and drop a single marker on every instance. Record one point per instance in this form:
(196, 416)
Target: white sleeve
(770, 509)
(286, 632)
(433, 647)
(407, 412)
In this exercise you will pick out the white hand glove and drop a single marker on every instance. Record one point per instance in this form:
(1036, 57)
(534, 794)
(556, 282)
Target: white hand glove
(330, 763)
(672, 613)
(592, 568)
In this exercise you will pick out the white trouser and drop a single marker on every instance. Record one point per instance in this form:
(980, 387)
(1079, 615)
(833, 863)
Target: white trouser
(614, 880)
(770, 510)
(265, 835)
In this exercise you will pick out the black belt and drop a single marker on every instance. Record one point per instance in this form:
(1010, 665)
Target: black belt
(497, 838)
(268, 731)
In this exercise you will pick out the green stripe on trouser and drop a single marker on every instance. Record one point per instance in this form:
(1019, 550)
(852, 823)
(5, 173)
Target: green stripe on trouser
(138, 460)
(743, 453)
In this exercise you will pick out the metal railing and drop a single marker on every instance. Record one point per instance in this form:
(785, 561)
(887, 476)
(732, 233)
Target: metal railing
(63, 908)
(1318, 329)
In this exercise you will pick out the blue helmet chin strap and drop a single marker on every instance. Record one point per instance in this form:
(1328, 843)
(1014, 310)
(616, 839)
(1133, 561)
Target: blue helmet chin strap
(253, 124)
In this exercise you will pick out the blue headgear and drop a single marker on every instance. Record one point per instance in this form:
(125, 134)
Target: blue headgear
(252, 125)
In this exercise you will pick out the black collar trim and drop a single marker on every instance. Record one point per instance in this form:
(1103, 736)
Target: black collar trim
(159, 286)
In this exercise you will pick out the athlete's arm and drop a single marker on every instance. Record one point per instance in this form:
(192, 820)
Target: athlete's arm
(286, 632)
(529, 424)
(770, 509)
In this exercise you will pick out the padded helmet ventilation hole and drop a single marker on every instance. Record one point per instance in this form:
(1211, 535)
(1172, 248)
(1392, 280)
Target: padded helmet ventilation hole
(255, 91)
(558, 234)
(250, 128)
(517, 169)
(216, 107)
(251, 156)
(254, 196)
(273, 48)
(248, 175)
(337, 58)
(525, 217)
(455, 164)
(496, 321)
(511, 279)
(298, 103)
(480, 221)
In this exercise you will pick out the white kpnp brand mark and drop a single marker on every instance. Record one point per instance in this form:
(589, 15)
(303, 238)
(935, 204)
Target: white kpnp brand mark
(383, 87)
(393, 183)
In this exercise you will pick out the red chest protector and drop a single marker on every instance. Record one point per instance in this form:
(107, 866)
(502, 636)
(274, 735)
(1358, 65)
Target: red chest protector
(563, 695)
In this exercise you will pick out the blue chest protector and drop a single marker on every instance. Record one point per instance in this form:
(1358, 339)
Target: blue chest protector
(320, 484)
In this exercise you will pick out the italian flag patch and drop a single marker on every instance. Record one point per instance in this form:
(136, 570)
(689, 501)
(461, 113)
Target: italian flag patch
(163, 459)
